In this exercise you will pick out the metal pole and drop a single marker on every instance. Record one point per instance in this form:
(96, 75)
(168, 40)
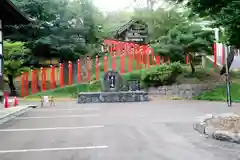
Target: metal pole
(229, 100)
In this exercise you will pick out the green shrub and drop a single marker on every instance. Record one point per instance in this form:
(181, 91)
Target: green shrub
(163, 75)
(135, 76)
(94, 86)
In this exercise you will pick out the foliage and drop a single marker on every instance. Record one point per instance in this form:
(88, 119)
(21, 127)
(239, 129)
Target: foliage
(95, 86)
(14, 53)
(223, 13)
(220, 93)
(63, 29)
(163, 75)
(184, 39)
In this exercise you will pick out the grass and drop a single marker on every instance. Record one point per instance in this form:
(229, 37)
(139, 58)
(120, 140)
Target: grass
(220, 93)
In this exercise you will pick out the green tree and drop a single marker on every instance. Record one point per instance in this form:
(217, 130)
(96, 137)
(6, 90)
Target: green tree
(160, 20)
(60, 29)
(14, 53)
(185, 39)
(223, 13)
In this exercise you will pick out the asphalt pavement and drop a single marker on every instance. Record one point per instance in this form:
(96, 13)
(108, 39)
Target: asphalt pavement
(157, 130)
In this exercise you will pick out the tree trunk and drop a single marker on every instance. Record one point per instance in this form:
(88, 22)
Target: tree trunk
(11, 86)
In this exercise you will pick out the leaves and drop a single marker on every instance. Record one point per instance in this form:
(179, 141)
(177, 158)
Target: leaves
(14, 53)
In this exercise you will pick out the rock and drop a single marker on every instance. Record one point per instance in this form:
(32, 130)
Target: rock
(226, 136)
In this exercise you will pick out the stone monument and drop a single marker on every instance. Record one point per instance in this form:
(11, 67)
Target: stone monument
(112, 91)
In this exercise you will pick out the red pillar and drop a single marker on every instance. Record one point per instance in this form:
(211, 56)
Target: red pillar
(105, 64)
(215, 54)
(70, 80)
(187, 59)
(43, 71)
(26, 83)
(158, 60)
(163, 60)
(97, 68)
(33, 81)
(122, 63)
(88, 70)
(130, 62)
(61, 75)
(79, 71)
(114, 62)
(23, 84)
(169, 60)
(52, 78)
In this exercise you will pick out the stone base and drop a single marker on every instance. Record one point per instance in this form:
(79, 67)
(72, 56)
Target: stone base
(112, 97)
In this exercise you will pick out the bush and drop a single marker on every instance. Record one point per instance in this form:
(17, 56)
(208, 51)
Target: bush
(95, 86)
(135, 76)
(163, 75)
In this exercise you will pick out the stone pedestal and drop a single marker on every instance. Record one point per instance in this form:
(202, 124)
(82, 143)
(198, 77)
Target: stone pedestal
(112, 97)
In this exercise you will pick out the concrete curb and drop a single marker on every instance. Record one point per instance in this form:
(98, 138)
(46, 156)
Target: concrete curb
(13, 115)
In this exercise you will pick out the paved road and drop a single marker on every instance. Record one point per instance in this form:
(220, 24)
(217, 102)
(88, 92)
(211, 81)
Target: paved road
(158, 130)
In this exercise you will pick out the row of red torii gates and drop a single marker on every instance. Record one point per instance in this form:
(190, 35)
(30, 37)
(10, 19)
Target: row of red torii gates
(49, 78)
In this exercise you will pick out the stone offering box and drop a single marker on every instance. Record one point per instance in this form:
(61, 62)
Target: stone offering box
(113, 91)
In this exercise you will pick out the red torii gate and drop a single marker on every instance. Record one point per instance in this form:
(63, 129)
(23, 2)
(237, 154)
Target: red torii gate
(137, 51)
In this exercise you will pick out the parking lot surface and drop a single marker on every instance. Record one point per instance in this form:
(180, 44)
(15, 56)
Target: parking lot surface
(158, 130)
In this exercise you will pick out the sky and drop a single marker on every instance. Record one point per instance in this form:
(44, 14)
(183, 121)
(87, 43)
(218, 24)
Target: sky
(113, 5)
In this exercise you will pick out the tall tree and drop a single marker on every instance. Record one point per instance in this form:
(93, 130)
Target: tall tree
(14, 57)
(224, 13)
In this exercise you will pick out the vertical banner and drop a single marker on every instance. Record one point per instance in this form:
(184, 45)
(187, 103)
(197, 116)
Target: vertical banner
(114, 62)
(61, 75)
(97, 68)
(33, 81)
(122, 64)
(215, 54)
(70, 80)
(105, 63)
(79, 70)
(23, 84)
